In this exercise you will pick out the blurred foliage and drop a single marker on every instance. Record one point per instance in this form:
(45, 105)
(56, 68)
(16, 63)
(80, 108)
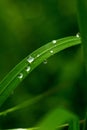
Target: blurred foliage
(25, 26)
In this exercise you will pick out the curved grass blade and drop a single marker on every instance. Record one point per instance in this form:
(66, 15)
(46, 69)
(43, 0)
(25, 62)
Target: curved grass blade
(22, 105)
(55, 119)
(20, 71)
(29, 102)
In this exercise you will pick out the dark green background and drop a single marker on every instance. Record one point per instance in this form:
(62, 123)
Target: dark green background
(26, 25)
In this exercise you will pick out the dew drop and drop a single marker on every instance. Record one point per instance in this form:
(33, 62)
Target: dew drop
(28, 68)
(51, 51)
(20, 76)
(45, 61)
(30, 59)
(78, 34)
(38, 55)
(54, 41)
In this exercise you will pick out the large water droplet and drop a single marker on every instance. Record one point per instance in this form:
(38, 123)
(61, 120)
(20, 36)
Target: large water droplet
(51, 51)
(45, 61)
(30, 59)
(20, 76)
(28, 68)
(78, 34)
(54, 41)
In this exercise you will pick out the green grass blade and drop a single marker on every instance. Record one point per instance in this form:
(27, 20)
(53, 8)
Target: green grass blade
(20, 71)
(55, 119)
(22, 105)
(28, 102)
(74, 124)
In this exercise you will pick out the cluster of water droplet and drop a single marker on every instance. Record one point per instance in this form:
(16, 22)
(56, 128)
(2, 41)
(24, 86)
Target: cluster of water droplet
(30, 59)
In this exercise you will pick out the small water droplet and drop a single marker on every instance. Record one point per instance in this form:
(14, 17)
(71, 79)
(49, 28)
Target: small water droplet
(30, 59)
(78, 34)
(20, 76)
(38, 55)
(28, 68)
(54, 41)
(45, 61)
(51, 51)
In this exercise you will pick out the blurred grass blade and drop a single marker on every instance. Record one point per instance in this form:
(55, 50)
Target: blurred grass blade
(22, 105)
(55, 119)
(74, 124)
(85, 123)
(82, 19)
(28, 102)
(20, 71)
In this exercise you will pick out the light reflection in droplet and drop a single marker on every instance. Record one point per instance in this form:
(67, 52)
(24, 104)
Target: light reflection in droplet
(20, 76)
(54, 41)
(28, 68)
(30, 59)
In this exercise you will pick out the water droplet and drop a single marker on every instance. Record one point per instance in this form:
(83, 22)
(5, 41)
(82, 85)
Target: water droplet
(78, 34)
(20, 76)
(51, 51)
(38, 55)
(28, 68)
(45, 61)
(54, 41)
(30, 59)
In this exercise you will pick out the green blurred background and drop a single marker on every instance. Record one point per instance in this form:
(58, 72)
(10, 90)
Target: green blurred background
(26, 25)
